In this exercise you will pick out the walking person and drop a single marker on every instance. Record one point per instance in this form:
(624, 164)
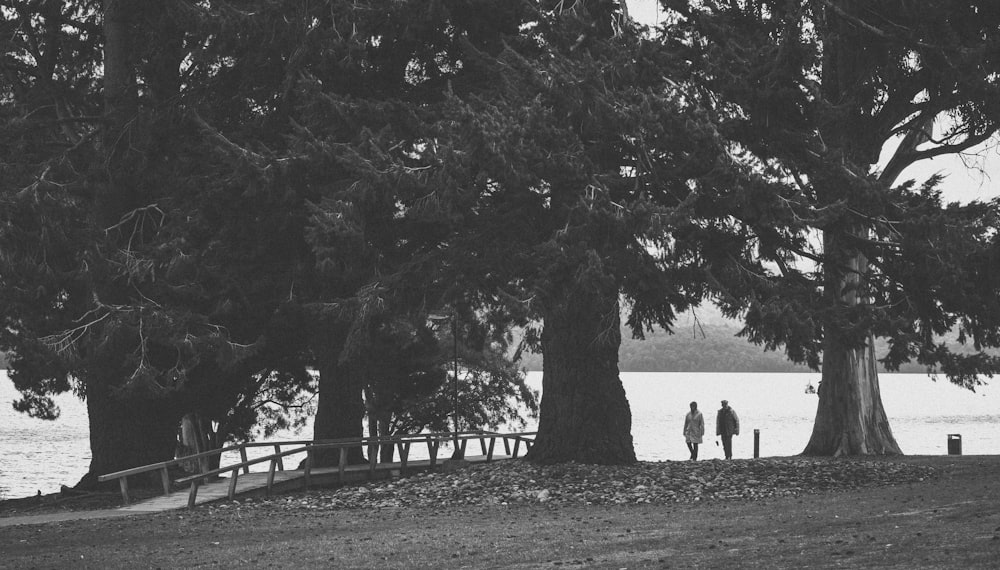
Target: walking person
(727, 424)
(694, 430)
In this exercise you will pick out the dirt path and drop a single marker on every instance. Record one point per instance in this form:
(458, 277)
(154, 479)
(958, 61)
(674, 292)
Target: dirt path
(951, 520)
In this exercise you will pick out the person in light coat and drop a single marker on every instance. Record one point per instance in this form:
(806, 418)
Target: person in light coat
(694, 430)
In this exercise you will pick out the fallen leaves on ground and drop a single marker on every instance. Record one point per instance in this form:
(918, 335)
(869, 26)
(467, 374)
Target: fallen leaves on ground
(520, 482)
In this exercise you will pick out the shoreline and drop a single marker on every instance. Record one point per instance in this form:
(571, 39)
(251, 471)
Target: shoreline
(922, 414)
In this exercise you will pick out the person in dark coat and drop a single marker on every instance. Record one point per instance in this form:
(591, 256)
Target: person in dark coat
(727, 424)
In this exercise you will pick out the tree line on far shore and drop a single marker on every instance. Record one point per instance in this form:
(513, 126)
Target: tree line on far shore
(710, 347)
(719, 350)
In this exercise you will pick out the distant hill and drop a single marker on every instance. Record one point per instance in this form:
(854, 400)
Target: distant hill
(709, 344)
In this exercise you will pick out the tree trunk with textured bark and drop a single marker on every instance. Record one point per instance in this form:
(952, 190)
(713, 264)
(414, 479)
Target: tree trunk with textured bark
(850, 419)
(584, 414)
(340, 411)
(126, 432)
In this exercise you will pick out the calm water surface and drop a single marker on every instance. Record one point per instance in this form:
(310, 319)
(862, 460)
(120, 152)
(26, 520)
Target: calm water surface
(39, 455)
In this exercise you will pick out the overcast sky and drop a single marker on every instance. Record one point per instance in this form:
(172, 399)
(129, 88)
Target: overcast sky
(974, 176)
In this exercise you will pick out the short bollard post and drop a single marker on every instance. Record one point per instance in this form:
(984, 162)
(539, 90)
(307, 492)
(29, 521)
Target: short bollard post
(756, 443)
(954, 444)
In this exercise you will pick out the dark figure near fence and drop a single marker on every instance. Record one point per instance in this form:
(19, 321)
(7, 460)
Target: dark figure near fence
(727, 424)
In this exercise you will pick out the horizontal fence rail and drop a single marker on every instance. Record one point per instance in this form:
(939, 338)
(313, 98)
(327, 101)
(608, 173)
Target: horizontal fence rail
(512, 443)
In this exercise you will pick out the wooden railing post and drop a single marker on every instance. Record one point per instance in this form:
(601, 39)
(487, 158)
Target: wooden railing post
(432, 450)
(341, 464)
(308, 470)
(243, 457)
(193, 493)
(270, 476)
(404, 455)
(232, 484)
(281, 463)
(489, 451)
(373, 451)
(165, 480)
(123, 485)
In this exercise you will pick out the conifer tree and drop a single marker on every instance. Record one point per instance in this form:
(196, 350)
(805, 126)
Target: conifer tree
(539, 169)
(180, 249)
(362, 116)
(146, 251)
(834, 99)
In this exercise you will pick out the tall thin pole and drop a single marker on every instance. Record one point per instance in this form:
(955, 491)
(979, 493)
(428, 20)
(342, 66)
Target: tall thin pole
(454, 397)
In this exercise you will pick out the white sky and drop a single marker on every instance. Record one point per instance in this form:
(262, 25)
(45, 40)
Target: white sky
(974, 176)
(645, 11)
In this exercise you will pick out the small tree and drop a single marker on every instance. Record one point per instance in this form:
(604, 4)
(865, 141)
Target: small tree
(411, 384)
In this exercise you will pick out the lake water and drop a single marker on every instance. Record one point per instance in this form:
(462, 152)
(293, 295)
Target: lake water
(39, 455)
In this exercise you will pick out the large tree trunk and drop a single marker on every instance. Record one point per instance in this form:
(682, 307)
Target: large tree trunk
(387, 452)
(584, 414)
(197, 436)
(126, 432)
(378, 423)
(340, 411)
(850, 419)
(121, 109)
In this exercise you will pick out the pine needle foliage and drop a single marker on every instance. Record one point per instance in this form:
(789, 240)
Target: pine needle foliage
(836, 99)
